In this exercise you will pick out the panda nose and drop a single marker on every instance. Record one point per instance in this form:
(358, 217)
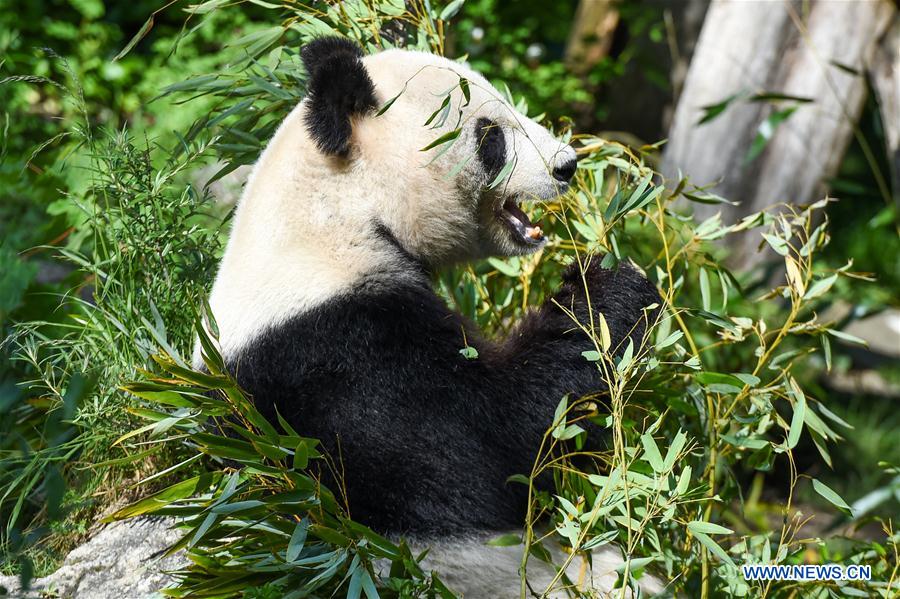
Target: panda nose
(565, 171)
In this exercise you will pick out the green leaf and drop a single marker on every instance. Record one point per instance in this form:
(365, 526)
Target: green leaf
(591, 355)
(651, 453)
(748, 442)
(704, 290)
(848, 337)
(670, 340)
(354, 587)
(368, 585)
(301, 456)
(684, 481)
(826, 349)
(674, 450)
(761, 459)
(605, 337)
(766, 131)
(142, 32)
(849, 591)
(181, 490)
(778, 97)
(748, 379)
(450, 10)
(711, 111)
(797, 421)
(504, 172)
(586, 230)
(507, 540)
(829, 494)
(298, 539)
(203, 528)
(446, 137)
(834, 417)
(634, 564)
(469, 353)
(705, 197)
(389, 103)
(445, 108)
(713, 547)
(237, 506)
(718, 382)
(572, 430)
(519, 478)
(777, 243)
(466, 92)
(708, 528)
(613, 207)
(559, 415)
(509, 268)
(627, 357)
(329, 535)
(458, 167)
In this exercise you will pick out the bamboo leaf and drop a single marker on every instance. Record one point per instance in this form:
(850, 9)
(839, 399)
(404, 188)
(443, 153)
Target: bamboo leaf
(847, 337)
(651, 453)
(446, 137)
(829, 494)
(674, 450)
(713, 547)
(704, 290)
(507, 540)
(298, 539)
(794, 276)
(503, 174)
(797, 421)
(450, 10)
(605, 338)
(708, 528)
(181, 490)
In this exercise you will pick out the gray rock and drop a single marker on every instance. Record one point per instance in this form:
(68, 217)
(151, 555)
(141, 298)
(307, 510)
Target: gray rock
(881, 332)
(116, 563)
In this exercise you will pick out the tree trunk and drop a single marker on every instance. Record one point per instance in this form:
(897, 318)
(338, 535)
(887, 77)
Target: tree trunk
(817, 49)
(885, 75)
(592, 34)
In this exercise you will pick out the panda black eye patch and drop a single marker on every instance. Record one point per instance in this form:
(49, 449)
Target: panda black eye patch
(491, 144)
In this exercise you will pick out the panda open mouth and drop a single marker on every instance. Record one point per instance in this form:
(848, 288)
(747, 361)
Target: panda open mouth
(518, 222)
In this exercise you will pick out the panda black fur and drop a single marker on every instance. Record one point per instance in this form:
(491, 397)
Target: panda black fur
(326, 310)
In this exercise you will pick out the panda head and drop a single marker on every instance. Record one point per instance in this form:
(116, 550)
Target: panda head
(371, 120)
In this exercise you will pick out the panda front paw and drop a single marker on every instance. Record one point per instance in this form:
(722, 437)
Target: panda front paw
(628, 301)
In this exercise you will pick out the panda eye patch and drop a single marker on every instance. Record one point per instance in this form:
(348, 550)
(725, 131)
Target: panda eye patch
(491, 145)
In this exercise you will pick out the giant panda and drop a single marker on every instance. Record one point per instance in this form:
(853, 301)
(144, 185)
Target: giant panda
(325, 308)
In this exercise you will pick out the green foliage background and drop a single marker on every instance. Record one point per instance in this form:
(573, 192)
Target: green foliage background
(705, 429)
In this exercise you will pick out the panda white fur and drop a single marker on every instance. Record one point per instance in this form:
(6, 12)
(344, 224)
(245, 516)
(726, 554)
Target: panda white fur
(325, 308)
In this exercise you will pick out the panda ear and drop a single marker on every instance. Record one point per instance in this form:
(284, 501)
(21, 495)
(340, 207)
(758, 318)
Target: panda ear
(338, 88)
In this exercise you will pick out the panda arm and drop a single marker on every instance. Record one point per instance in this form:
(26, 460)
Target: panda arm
(553, 335)
(541, 360)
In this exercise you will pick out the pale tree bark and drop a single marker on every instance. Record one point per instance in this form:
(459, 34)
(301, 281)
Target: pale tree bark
(592, 34)
(885, 76)
(817, 49)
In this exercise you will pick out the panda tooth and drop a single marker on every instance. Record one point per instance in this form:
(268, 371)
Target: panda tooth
(534, 232)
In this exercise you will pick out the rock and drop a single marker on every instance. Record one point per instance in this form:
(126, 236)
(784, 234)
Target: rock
(474, 569)
(881, 332)
(120, 562)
